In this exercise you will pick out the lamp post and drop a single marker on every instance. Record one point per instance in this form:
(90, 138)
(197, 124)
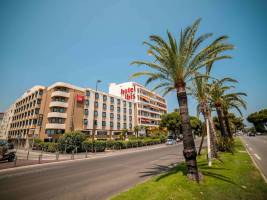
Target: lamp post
(98, 81)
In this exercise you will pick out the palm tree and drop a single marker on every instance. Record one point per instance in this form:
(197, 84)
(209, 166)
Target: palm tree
(174, 65)
(200, 91)
(232, 101)
(136, 130)
(217, 90)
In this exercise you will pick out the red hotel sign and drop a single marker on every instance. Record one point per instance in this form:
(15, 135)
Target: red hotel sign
(79, 98)
(128, 93)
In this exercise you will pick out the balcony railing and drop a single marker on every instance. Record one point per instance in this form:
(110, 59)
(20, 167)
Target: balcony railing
(57, 114)
(60, 94)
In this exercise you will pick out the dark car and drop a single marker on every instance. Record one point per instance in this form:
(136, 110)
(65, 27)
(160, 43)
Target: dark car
(251, 134)
(7, 151)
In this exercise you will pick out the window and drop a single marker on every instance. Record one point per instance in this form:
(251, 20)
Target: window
(118, 101)
(86, 111)
(118, 117)
(38, 101)
(37, 111)
(111, 124)
(103, 123)
(85, 121)
(87, 93)
(118, 125)
(124, 117)
(96, 96)
(124, 103)
(111, 115)
(96, 104)
(87, 102)
(130, 118)
(124, 125)
(130, 111)
(56, 120)
(105, 98)
(104, 114)
(130, 126)
(95, 122)
(118, 109)
(58, 109)
(104, 106)
(111, 107)
(112, 99)
(95, 113)
(124, 110)
(40, 92)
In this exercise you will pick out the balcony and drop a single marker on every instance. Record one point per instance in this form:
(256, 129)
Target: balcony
(60, 94)
(58, 104)
(57, 114)
(55, 126)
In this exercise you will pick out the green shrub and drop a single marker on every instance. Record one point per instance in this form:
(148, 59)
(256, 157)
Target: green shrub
(52, 147)
(94, 146)
(70, 141)
(99, 146)
(225, 144)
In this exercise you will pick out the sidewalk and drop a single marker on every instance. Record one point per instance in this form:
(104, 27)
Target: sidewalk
(33, 156)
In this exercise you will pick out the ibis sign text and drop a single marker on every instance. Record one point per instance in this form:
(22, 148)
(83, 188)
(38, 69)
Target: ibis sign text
(128, 93)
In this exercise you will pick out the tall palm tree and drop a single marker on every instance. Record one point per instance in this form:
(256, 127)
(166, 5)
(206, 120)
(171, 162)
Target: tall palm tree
(232, 101)
(175, 65)
(217, 90)
(200, 91)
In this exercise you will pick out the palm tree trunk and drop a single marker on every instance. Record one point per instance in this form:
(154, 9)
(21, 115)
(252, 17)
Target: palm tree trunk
(221, 121)
(202, 139)
(227, 123)
(189, 151)
(212, 136)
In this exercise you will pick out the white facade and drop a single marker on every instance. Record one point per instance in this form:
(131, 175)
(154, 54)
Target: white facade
(107, 114)
(149, 105)
(6, 121)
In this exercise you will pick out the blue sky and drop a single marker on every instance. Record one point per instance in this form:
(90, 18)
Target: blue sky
(80, 41)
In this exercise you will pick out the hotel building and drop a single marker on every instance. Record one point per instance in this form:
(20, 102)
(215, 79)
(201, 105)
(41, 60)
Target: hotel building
(149, 105)
(6, 122)
(48, 112)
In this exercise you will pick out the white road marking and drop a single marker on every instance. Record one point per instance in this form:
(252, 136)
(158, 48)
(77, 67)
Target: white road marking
(257, 156)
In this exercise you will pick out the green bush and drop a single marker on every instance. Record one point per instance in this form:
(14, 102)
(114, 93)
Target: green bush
(94, 146)
(70, 141)
(99, 146)
(52, 147)
(225, 144)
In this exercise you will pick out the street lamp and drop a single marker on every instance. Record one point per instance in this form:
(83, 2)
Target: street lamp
(98, 81)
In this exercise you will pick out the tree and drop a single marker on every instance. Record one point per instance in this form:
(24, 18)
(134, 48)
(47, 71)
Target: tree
(217, 91)
(71, 141)
(196, 125)
(259, 120)
(136, 130)
(232, 101)
(200, 91)
(172, 121)
(174, 65)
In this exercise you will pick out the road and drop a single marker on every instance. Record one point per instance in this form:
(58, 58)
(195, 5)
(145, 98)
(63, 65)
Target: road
(97, 178)
(257, 147)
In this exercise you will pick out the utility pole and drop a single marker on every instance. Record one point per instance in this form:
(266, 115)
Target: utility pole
(97, 82)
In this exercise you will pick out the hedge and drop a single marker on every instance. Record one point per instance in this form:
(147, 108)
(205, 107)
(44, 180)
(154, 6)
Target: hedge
(99, 145)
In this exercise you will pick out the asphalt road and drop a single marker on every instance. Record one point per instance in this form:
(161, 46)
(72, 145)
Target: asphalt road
(257, 147)
(98, 178)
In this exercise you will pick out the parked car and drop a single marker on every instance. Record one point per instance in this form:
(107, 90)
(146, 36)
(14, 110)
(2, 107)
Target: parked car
(251, 134)
(7, 151)
(170, 142)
